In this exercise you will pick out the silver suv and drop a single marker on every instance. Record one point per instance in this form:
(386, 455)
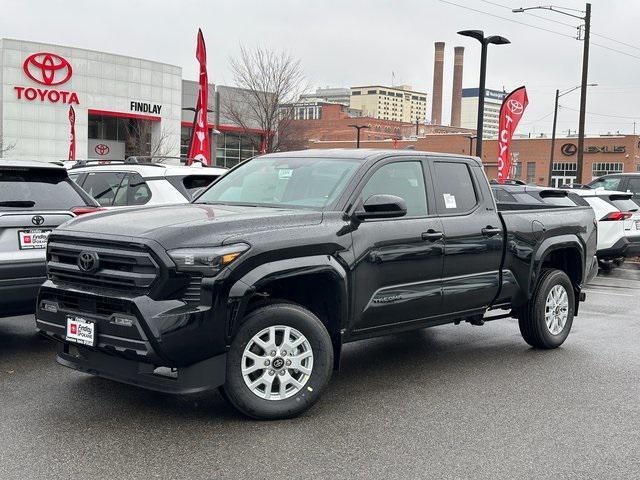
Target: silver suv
(35, 197)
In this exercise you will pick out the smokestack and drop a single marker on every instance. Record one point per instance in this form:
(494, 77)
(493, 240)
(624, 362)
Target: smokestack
(456, 97)
(438, 66)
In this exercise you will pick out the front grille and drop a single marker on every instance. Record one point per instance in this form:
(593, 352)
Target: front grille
(191, 293)
(96, 305)
(121, 266)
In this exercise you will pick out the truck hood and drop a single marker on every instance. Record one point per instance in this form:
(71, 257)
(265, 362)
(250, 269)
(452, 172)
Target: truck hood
(190, 224)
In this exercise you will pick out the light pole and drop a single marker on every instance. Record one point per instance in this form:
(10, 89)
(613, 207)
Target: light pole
(358, 128)
(484, 41)
(555, 121)
(585, 69)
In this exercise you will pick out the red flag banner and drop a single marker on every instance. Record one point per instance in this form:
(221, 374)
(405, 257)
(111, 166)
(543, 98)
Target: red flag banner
(72, 136)
(513, 107)
(200, 147)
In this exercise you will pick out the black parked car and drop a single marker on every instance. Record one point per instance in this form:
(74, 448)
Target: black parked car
(35, 197)
(258, 283)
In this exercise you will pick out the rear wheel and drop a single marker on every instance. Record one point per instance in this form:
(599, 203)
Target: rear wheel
(546, 321)
(279, 362)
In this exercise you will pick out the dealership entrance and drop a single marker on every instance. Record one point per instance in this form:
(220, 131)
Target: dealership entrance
(116, 136)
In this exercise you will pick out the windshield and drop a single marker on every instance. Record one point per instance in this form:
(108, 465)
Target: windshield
(287, 182)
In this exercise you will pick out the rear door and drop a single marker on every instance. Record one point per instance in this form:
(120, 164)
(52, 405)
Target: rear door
(473, 235)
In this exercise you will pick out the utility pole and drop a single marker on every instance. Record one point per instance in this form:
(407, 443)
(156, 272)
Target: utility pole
(553, 135)
(583, 92)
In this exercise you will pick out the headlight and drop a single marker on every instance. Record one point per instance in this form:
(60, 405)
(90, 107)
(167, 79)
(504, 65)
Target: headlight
(208, 261)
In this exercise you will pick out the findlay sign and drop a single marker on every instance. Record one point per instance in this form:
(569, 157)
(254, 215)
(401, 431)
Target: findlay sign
(570, 149)
(49, 70)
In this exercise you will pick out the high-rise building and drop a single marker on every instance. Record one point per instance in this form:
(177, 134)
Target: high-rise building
(469, 111)
(398, 103)
(332, 95)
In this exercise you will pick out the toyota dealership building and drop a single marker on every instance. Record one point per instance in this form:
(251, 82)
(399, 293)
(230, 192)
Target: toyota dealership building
(123, 106)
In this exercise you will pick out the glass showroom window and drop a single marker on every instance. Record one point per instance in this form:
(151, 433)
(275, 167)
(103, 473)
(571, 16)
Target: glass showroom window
(603, 168)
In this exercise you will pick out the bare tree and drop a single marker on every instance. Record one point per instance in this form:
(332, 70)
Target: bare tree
(6, 147)
(140, 141)
(269, 83)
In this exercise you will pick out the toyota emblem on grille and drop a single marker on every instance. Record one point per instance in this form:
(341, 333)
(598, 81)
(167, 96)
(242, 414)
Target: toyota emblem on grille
(37, 220)
(88, 261)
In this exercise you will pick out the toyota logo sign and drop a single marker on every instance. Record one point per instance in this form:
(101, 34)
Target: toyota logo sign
(88, 261)
(515, 107)
(47, 68)
(37, 220)
(569, 149)
(102, 149)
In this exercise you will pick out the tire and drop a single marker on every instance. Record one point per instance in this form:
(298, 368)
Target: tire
(261, 336)
(619, 261)
(605, 265)
(532, 321)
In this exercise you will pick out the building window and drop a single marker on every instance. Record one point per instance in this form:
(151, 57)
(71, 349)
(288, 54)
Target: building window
(603, 168)
(565, 167)
(531, 172)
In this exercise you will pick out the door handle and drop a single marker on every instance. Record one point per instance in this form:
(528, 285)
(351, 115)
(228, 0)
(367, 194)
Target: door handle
(490, 231)
(431, 235)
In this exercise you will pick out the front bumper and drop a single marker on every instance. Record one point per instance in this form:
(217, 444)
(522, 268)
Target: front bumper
(201, 376)
(19, 285)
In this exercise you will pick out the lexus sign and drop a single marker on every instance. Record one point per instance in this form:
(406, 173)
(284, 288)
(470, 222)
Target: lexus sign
(48, 70)
(570, 149)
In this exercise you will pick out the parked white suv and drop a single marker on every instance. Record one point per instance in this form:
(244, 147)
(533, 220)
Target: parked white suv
(618, 223)
(127, 183)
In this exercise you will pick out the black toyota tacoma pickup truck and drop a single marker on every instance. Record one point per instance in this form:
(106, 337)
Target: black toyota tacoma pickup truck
(255, 286)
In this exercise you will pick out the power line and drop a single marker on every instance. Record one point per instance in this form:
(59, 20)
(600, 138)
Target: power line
(604, 114)
(507, 19)
(568, 25)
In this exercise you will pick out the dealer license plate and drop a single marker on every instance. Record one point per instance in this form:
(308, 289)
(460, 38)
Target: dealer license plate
(32, 239)
(81, 331)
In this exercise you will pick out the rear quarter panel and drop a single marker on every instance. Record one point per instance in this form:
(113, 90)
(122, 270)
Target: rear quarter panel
(531, 235)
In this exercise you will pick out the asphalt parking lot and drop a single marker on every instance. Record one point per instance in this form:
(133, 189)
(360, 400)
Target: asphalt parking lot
(448, 402)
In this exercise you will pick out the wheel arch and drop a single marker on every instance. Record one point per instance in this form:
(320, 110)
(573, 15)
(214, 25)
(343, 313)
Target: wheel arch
(318, 283)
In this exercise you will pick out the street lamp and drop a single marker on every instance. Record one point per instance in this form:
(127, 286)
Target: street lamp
(358, 128)
(555, 118)
(484, 41)
(585, 69)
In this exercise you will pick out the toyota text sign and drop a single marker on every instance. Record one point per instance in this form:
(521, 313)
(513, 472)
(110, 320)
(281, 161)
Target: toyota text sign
(48, 70)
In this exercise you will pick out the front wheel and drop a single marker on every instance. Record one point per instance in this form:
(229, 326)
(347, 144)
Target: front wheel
(546, 320)
(279, 362)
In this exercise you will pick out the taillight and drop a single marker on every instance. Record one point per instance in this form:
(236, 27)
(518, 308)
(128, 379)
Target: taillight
(614, 216)
(82, 210)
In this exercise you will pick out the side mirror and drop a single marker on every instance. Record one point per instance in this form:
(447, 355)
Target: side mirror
(382, 206)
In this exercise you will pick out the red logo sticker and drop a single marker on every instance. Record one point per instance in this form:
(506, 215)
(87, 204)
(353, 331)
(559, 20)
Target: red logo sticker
(73, 329)
(27, 239)
(47, 68)
(102, 149)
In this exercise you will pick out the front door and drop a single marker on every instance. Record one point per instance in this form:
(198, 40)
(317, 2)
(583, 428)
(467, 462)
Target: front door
(398, 261)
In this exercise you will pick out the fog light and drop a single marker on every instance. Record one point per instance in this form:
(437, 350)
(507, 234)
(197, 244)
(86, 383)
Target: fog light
(122, 321)
(49, 306)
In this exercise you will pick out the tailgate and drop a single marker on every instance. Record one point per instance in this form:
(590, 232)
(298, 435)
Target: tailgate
(23, 234)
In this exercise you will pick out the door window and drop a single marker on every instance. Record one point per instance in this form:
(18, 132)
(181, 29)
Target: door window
(608, 183)
(402, 179)
(455, 192)
(138, 190)
(634, 185)
(103, 186)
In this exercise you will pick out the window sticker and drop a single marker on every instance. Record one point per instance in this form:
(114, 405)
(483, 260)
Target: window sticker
(449, 200)
(285, 172)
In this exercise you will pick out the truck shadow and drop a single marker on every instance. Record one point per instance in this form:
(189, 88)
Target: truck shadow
(368, 368)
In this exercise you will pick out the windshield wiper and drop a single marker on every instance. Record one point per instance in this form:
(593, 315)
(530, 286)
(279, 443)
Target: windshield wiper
(18, 203)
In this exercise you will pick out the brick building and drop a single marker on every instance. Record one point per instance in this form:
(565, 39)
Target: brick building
(334, 120)
(605, 154)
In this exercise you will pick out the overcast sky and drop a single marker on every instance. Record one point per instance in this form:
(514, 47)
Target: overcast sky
(349, 42)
